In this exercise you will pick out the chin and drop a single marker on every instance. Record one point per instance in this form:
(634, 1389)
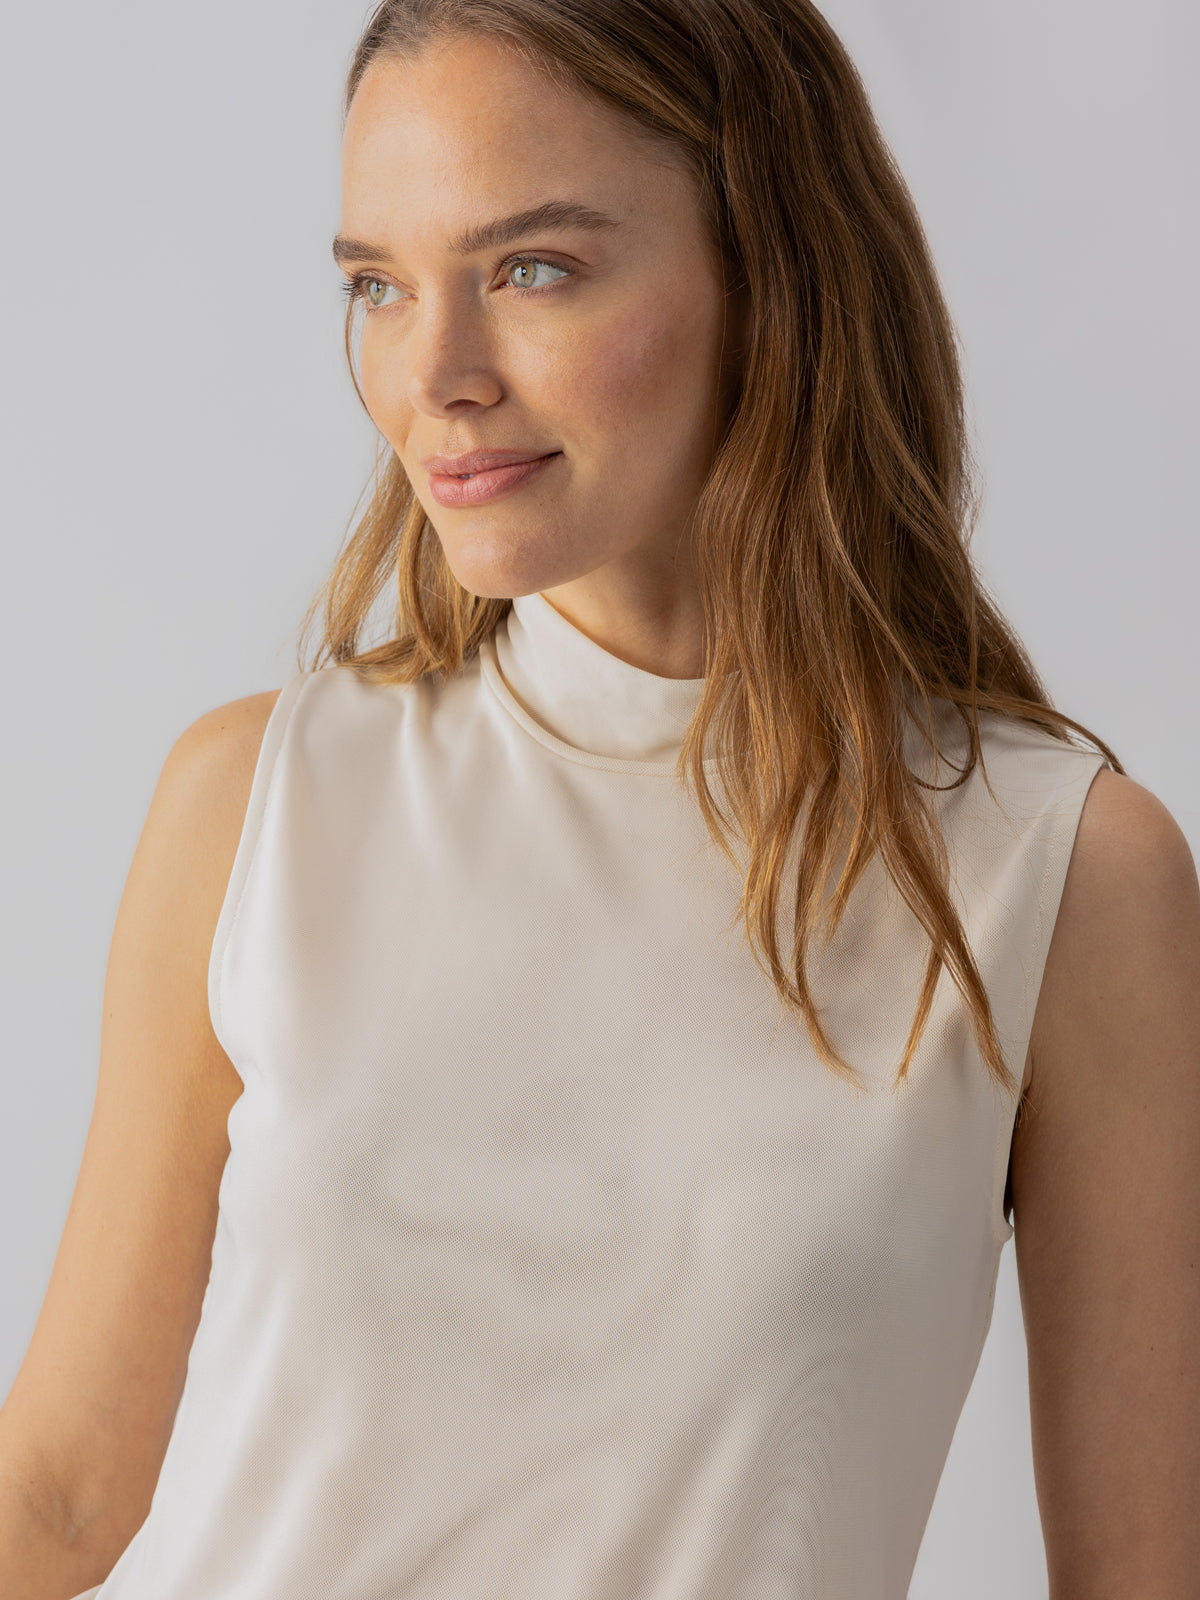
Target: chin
(489, 579)
(504, 569)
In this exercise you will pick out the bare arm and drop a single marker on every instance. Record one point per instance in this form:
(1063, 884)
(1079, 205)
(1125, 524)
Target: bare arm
(1106, 1204)
(85, 1427)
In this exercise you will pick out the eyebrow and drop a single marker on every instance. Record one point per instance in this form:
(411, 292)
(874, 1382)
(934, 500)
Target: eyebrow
(490, 235)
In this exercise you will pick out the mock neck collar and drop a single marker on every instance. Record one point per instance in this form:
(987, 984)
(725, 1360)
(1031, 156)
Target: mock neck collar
(584, 695)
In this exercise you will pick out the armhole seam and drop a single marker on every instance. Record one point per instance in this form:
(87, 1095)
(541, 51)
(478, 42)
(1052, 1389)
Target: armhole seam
(261, 785)
(1076, 790)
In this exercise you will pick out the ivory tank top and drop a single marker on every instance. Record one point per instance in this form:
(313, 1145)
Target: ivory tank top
(551, 1262)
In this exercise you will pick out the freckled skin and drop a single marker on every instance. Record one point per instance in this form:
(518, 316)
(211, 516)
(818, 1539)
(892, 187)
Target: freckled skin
(617, 367)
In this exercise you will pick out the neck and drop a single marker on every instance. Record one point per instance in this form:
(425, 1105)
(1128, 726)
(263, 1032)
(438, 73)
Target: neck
(660, 631)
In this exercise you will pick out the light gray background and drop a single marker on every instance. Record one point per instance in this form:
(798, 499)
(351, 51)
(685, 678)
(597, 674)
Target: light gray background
(184, 450)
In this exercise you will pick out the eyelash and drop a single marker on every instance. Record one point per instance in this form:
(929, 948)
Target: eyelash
(353, 288)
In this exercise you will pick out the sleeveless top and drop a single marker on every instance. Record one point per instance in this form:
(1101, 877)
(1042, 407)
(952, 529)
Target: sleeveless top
(551, 1261)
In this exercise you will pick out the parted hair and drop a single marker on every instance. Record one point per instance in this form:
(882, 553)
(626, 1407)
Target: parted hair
(833, 530)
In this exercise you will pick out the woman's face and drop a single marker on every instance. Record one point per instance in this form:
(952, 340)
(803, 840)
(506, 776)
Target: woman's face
(611, 358)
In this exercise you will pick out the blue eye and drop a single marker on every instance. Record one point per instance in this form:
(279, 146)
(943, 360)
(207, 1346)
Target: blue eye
(370, 286)
(373, 292)
(534, 262)
(364, 288)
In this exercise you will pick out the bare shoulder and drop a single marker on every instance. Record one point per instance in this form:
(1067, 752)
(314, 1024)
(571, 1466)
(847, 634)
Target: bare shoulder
(1106, 1206)
(225, 741)
(1131, 898)
(1126, 832)
(204, 785)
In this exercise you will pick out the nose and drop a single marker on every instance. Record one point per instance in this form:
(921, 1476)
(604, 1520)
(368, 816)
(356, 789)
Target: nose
(450, 358)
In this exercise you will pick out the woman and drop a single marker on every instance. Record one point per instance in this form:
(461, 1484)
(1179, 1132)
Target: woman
(558, 1108)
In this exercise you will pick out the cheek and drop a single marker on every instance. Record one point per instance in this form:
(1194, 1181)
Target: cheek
(627, 363)
(378, 379)
(647, 369)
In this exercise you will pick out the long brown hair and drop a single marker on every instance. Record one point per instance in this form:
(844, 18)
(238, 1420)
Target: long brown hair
(832, 531)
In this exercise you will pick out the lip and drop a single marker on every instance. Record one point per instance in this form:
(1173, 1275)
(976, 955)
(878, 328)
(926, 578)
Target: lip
(488, 484)
(478, 461)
